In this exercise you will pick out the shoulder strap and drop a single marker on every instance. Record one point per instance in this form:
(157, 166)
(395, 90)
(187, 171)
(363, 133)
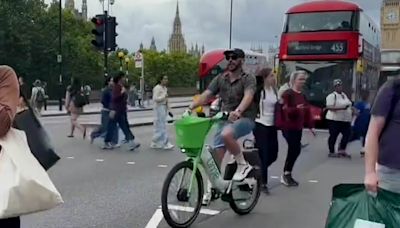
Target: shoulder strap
(393, 104)
(334, 104)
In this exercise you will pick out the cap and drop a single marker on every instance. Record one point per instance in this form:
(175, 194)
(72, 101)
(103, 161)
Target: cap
(337, 82)
(236, 51)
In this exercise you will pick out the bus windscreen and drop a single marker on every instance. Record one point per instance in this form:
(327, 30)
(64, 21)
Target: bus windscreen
(321, 21)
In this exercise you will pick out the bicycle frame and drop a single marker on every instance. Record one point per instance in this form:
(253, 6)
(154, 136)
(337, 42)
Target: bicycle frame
(205, 160)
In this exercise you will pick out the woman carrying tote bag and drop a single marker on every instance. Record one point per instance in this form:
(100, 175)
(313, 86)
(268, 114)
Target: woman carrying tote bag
(9, 100)
(25, 186)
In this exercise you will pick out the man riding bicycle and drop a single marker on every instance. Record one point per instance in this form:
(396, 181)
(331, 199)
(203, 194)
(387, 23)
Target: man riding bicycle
(236, 90)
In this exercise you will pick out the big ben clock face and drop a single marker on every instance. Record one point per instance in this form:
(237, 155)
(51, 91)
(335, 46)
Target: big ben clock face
(392, 16)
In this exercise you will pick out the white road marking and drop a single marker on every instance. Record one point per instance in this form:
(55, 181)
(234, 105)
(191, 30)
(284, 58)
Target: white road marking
(70, 157)
(158, 216)
(131, 163)
(155, 220)
(274, 177)
(162, 166)
(191, 209)
(99, 160)
(313, 181)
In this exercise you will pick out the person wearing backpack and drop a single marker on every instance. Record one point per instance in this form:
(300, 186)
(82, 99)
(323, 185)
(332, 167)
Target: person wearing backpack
(382, 157)
(38, 96)
(266, 132)
(339, 118)
(74, 102)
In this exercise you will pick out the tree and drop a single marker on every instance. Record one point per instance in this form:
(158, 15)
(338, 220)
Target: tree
(29, 44)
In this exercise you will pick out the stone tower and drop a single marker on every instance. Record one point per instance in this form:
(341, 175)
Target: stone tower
(177, 41)
(84, 10)
(70, 4)
(153, 46)
(390, 24)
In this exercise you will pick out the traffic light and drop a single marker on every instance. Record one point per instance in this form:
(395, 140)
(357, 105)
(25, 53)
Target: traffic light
(111, 34)
(99, 22)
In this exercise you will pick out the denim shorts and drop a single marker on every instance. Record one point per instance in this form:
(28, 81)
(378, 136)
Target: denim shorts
(241, 127)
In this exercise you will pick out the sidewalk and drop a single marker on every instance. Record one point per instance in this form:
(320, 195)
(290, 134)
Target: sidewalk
(95, 108)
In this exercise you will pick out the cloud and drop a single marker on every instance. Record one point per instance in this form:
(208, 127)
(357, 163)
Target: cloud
(204, 21)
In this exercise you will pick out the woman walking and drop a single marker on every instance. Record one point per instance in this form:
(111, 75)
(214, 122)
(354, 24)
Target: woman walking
(74, 102)
(265, 132)
(106, 98)
(9, 100)
(297, 116)
(160, 98)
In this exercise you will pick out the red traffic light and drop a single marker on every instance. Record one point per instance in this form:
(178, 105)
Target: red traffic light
(98, 20)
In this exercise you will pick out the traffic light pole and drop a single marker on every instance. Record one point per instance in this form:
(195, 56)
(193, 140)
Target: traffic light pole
(105, 44)
(59, 58)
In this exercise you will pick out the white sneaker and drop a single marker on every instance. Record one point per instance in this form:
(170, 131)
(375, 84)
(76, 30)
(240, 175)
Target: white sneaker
(133, 145)
(107, 146)
(169, 146)
(154, 145)
(242, 171)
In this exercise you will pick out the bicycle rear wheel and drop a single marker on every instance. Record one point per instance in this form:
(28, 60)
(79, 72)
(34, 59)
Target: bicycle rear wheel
(176, 191)
(245, 195)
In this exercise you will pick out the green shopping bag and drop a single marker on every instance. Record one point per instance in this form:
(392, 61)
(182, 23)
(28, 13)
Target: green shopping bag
(353, 207)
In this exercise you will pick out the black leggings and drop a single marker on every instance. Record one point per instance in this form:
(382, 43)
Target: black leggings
(267, 144)
(10, 223)
(336, 128)
(293, 138)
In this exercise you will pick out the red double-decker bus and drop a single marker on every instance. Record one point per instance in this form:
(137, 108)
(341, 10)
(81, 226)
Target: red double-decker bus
(330, 40)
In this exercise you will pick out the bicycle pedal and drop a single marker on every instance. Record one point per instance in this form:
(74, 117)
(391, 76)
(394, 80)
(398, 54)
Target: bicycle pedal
(226, 197)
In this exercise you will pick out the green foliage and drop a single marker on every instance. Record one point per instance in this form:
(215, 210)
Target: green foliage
(29, 43)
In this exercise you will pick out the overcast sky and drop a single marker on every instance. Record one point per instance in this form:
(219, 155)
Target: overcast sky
(204, 21)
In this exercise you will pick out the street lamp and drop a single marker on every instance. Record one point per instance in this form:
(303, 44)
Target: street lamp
(230, 27)
(127, 60)
(121, 55)
(59, 57)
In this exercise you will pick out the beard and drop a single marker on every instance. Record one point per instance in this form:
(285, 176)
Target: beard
(233, 66)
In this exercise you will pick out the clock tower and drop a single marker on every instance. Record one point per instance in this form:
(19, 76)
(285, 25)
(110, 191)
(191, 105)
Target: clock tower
(390, 24)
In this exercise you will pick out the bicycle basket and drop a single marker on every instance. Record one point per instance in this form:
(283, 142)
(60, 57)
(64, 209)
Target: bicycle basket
(191, 132)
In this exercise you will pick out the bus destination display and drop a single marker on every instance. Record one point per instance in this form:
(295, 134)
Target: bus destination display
(317, 48)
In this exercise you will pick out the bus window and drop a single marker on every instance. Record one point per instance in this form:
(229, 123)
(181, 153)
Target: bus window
(321, 21)
(321, 76)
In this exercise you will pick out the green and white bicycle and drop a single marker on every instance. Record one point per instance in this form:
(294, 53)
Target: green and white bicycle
(183, 188)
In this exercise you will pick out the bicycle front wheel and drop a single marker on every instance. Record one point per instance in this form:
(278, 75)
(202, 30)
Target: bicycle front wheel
(181, 203)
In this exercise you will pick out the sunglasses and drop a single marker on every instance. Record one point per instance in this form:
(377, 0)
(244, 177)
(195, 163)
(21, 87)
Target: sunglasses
(233, 57)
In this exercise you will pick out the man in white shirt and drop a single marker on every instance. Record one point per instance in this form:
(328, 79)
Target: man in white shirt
(339, 118)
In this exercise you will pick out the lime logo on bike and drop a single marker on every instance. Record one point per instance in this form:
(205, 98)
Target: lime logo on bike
(214, 172)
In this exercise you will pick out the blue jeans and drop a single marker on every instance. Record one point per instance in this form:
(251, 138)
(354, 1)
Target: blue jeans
(121, 118)
(102, 130)
(160, 125)
(241, 127)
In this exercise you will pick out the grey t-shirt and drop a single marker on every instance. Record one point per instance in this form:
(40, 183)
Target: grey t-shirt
(232, 93)
(389, 153)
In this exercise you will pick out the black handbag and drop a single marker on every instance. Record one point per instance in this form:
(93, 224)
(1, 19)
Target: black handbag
(38, 139)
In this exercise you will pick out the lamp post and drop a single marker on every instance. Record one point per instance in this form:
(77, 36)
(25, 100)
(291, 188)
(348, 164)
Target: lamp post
(59, 58)
(121, 56)
(230, 27)
(127, 60)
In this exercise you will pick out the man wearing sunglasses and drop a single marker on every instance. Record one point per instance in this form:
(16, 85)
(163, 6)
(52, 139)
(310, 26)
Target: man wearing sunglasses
(236, 90)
